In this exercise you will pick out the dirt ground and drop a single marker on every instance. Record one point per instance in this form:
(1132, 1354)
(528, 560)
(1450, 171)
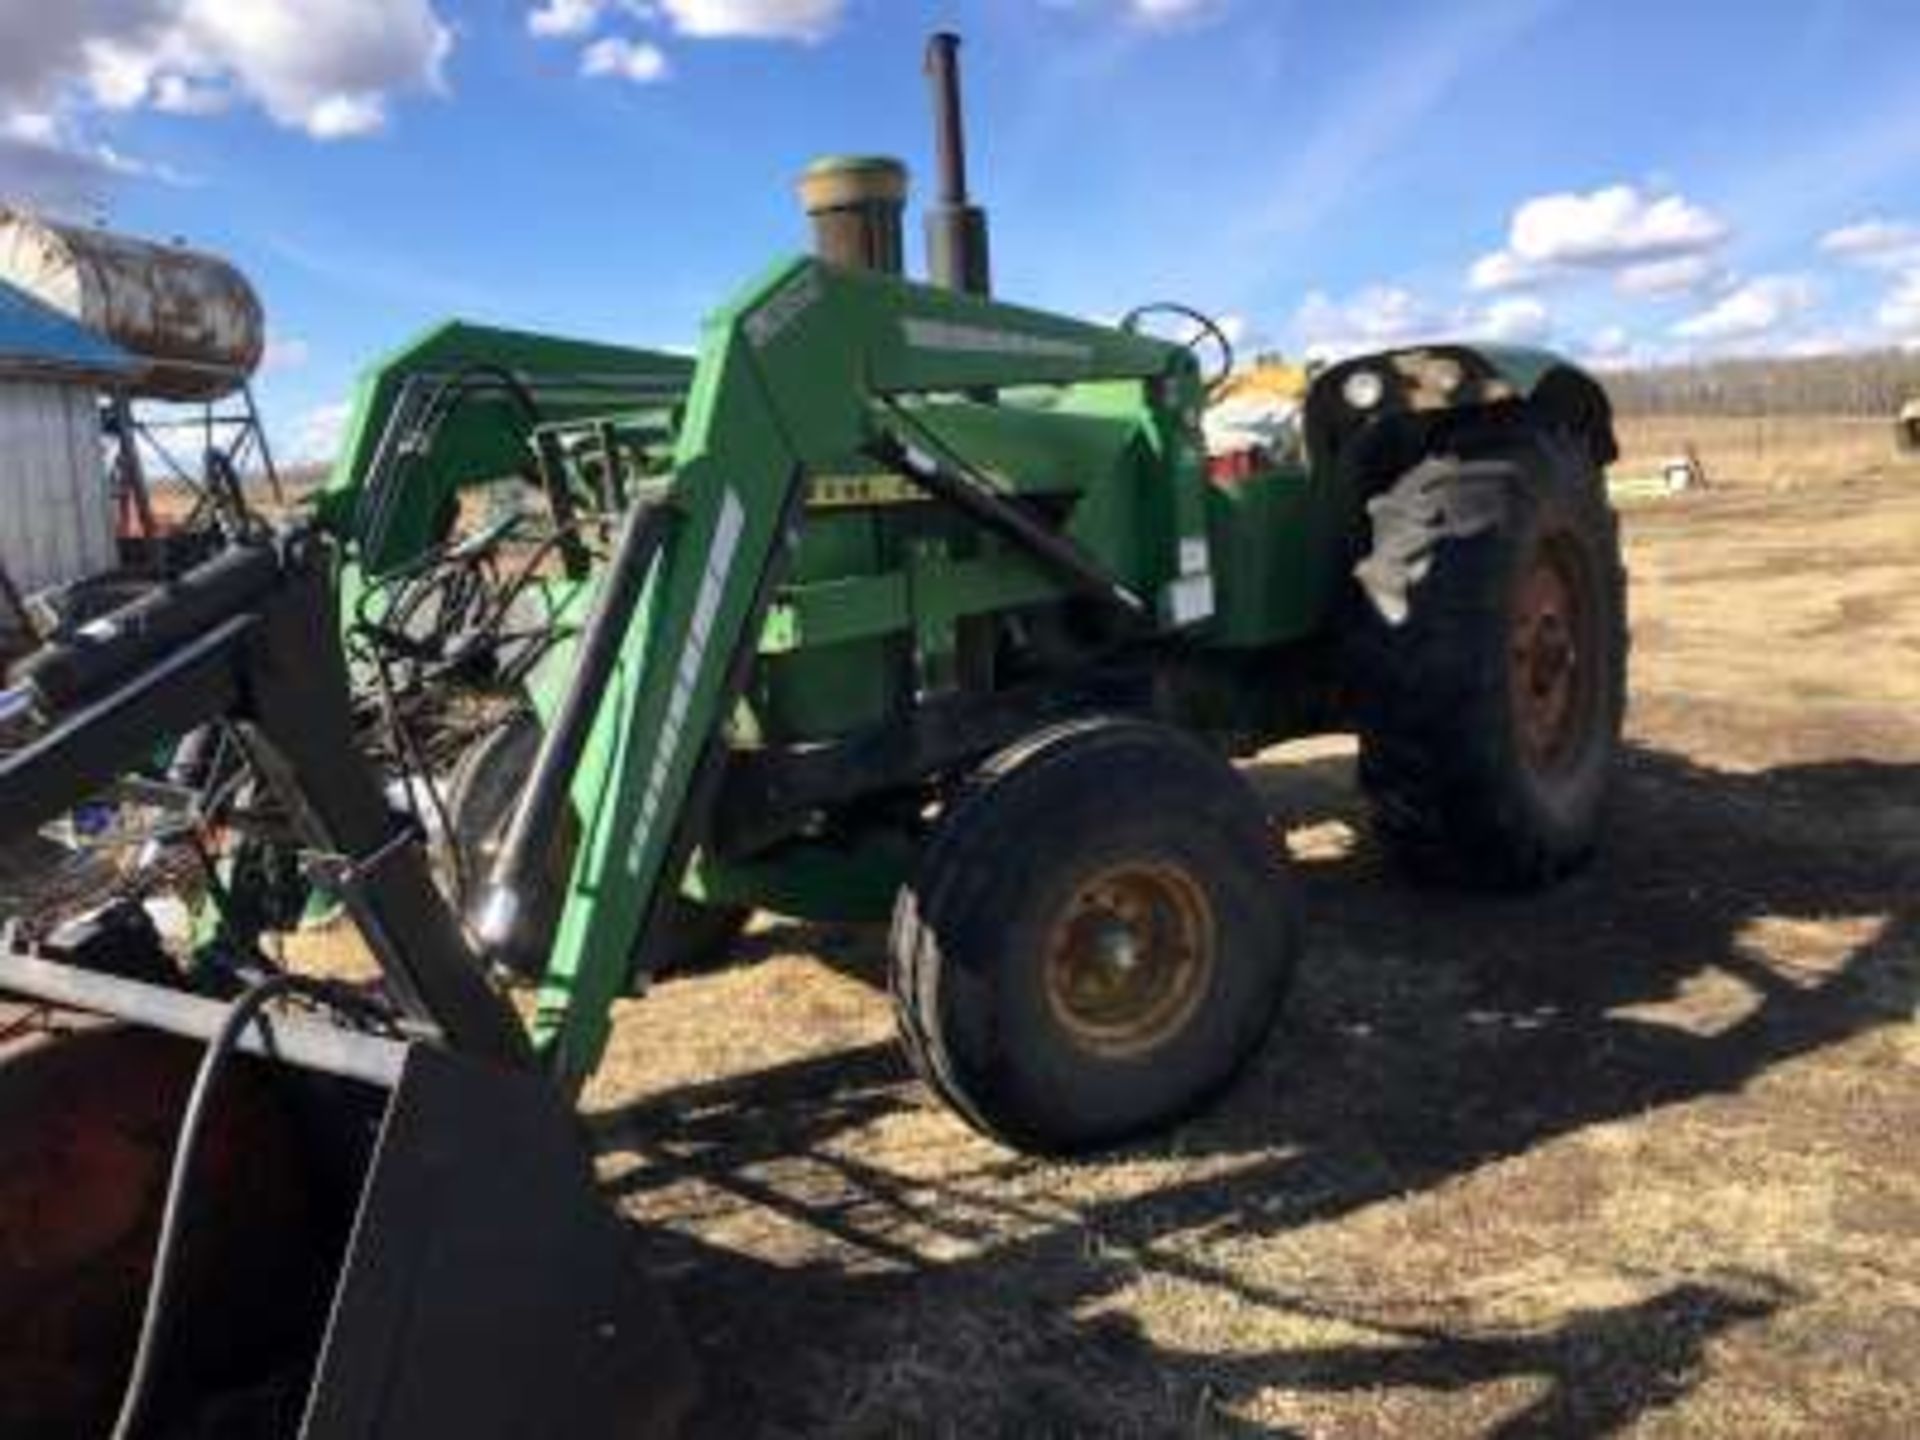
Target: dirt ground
(1642, 1154)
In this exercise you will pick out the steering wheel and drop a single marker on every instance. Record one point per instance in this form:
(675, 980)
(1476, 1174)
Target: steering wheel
(1207, 332)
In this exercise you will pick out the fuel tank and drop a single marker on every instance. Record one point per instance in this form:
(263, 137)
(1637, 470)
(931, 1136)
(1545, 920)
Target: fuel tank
(192, 317)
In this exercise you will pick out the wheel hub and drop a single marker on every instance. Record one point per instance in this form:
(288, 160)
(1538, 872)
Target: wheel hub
(1128, 961)
(1546, 663)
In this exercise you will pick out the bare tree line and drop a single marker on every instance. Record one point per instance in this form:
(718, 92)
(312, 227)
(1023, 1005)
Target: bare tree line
(1864, 383)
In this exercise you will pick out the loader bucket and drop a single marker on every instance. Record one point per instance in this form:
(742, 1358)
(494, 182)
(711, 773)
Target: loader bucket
(381, 1239)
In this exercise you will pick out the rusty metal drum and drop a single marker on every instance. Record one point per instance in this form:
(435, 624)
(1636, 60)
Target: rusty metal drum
(192, 317)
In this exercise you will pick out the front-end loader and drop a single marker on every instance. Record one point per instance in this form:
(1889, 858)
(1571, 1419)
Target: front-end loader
(898, 602)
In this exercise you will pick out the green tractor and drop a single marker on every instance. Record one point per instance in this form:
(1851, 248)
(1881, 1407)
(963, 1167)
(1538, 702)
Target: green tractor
(936, 609)
(896, 603)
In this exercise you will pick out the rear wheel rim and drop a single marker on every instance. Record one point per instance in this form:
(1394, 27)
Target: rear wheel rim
(1130, 958)
(1551, 657)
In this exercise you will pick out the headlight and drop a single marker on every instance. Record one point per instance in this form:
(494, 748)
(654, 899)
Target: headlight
(1363, 389)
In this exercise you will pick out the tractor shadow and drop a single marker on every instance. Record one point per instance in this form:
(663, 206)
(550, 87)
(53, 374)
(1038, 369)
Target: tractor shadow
(1431, 1034)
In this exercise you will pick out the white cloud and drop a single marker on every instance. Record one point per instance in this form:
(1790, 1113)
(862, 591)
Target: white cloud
(1823, 342)
(324, 66)
(1383, 316)
(54, 178)
(1504, 270)
(317, 433)
(1612, 226)
(1610, 343)
(41, 44)
(184, 95)
(1168, 12)
(1749, 311)
(47, 164)
(341, 117)
(31, 127)
(563, 19)
(120, 71)
(644, 62)
(1150, 14)
(1248, 337)
(1516, 319)
(1377, 316)
(1613, 347)
(1616, 228)
(1869, 237)
(805, 20)
(285, 352)
(626, 59)
(1877, 242)
(1679, 275)
(1899, 313)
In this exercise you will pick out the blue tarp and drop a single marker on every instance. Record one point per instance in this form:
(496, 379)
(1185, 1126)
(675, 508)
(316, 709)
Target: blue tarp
(36, 335)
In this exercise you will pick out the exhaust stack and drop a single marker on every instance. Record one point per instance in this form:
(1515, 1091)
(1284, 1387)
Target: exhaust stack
(956, 229)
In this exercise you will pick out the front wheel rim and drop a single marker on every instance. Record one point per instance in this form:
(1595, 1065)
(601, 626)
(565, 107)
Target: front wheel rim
(1551, 657)
(1130, 958)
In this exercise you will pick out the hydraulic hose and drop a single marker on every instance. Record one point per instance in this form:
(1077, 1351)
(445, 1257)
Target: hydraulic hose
(245, 1011)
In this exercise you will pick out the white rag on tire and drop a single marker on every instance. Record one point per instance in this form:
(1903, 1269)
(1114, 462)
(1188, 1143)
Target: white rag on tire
(1437, 499)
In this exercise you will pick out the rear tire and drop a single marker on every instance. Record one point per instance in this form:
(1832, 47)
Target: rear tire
(1490, 711)
(1097, 939)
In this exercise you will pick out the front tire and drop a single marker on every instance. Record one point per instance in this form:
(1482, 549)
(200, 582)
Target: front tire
(1097, 940)
(1490, 686)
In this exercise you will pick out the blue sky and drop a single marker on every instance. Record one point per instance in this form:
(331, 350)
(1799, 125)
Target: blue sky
(1629, 180)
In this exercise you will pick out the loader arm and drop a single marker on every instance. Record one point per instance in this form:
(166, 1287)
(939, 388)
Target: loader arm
(798, 376)
(455, 405)
(248, 636)
(361, 1242)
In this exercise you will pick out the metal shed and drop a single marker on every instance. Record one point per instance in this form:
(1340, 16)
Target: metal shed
(56, 502)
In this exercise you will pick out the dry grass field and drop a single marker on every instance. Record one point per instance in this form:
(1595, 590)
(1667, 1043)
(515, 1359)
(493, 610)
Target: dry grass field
(1639, 1155)
(1774, 451)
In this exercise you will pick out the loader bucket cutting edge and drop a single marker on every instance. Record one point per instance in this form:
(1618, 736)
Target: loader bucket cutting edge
(428, 1257)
